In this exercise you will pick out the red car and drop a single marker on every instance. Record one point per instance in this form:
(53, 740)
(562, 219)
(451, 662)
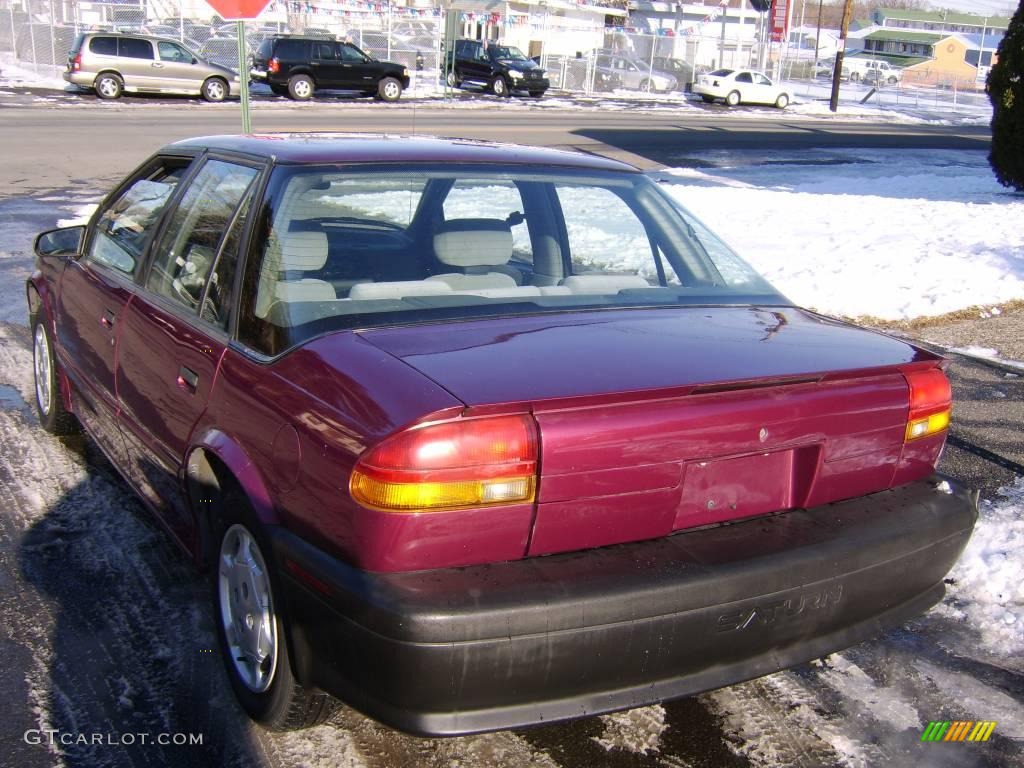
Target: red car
(475, 436)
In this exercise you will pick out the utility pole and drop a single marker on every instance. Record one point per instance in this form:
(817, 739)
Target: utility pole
(817, 38)
(837, 71)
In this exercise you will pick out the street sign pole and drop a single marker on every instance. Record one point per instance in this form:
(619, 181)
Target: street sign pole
(243, 74)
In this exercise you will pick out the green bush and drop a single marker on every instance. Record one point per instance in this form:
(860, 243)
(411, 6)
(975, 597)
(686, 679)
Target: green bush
(1006, 92)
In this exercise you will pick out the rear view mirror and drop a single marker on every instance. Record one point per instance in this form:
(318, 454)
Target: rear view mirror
(66, 241)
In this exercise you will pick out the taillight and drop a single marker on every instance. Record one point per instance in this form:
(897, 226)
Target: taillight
(931, 401)
(76, 63)
(274, 66)
(450, 465)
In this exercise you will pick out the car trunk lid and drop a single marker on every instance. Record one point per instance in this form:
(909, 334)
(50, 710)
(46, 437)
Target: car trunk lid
(657, 420)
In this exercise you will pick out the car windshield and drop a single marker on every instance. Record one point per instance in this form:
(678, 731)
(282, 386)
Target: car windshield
(337, 248)
(507, 53)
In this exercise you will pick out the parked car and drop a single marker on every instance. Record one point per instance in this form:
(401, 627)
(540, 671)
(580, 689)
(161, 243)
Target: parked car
(636, 74)
(387, 390)
(877, 70)
(500, 68)
(681, 70)
(826, 68)
(113, 64)
(740, 86)
(297, 66)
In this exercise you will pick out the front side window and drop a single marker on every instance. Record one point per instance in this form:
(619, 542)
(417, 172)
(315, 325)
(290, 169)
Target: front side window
(173, 52)
(185, 255)
(124, 228)
(337, 248)
(325, 51)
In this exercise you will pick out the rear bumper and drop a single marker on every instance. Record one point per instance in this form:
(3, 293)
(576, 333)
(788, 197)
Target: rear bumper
(532, 641)
(82, 79)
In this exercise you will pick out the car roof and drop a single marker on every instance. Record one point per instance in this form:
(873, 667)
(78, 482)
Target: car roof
(382, 148)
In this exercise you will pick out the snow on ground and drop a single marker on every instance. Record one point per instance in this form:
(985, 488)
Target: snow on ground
(883, 233)
(988, 582)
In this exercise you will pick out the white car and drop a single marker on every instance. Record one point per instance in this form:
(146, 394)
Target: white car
(740, 86)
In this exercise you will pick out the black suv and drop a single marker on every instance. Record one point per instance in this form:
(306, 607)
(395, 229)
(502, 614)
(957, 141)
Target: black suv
(502, 68)
(297, 66)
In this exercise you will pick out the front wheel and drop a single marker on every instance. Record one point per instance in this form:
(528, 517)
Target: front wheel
(452, 80)
(108, 86)
(215, 89)
(645, 85)
(300, 87)
(733, 98)
(499, 86)
(389, 89)
(49, 404)
(782, 102)
(252, 637)
(892, 81)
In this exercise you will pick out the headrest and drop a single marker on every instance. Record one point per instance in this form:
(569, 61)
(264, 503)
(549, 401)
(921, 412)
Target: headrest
(302, 251)
(473, 242)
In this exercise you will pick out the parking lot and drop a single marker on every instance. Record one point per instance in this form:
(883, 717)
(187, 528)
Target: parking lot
(109, 630)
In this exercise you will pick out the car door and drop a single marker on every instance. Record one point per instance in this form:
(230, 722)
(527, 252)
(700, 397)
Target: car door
(326, 66)
(178, 66)
(358, 71)
(744, 83)
(96, 289)
(763, 91)
(176, 332)
(139, 67)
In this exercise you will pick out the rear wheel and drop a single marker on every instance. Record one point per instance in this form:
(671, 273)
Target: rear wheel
(251, 632)
(892, 80)
(452, 80)
(855, 77)
(215, 89)
(782, 102)
(708, 99)
(109, 86)
(733, 98)
(389, 89)
(300, 87)
(536, 94)
(49, 403)
(499, 86)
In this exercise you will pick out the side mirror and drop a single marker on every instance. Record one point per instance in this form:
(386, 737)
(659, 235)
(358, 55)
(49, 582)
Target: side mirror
(66, 241)
(195, 60)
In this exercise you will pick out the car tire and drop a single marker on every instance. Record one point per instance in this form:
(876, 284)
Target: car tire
(215, 89)
(452, 80)
(855, 77)
(389, 89)
(892, 80)
(300, 87)
(783, 101)
(279, 90)
(733, 98)
(108, 86)
(536, 94)
(499, 87)
(647, 86)
(49, 400)
(708, 99)
(247, 613)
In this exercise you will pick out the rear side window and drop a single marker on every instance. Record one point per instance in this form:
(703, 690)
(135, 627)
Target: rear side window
(185, 256)
(133, 48)
(291, 49)
(266, 48)
(103, 46)
(324, 51)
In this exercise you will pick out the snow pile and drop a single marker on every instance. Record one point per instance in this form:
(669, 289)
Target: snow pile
(636, 730)
(882, 233)
(988, 580)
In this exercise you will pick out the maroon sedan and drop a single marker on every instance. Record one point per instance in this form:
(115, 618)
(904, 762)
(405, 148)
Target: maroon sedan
(474, 436)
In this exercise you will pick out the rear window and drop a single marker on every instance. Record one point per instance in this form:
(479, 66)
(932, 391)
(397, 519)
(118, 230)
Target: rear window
(103, 46)
(266, 48)
(133, 48)
(339, 249)
(721, 73)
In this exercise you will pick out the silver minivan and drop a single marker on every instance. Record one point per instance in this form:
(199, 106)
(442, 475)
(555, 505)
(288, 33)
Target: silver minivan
(112, 64)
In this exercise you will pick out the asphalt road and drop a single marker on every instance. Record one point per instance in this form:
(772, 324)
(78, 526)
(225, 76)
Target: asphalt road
(104, 628)
(60, 139)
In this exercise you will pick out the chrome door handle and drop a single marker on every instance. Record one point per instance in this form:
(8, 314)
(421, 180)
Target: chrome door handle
(107, 321)
(156, 65)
